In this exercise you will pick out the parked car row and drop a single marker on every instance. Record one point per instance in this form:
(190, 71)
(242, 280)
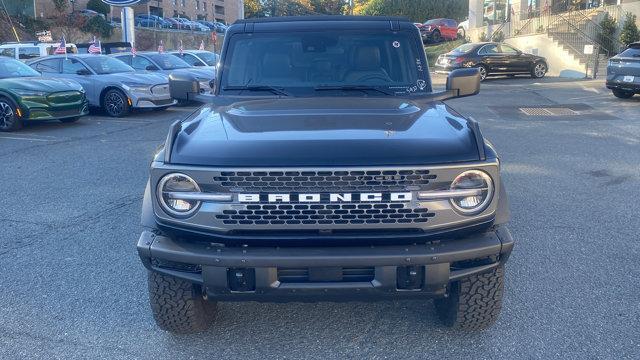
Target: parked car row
(63, 87)
(180, 23)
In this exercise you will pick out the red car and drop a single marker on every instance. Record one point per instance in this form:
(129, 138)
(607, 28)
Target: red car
(436, 30)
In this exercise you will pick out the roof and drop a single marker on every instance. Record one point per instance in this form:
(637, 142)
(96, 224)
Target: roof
(321, 18)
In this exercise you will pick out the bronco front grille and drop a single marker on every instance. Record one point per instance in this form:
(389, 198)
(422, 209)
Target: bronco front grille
(323, 181)
(325, 214)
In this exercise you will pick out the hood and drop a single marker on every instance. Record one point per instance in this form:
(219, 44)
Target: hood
(325, 132)
(139, 77)
(41, 84)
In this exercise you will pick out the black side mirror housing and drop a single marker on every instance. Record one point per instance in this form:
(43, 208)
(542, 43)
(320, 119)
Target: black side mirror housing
(183, 86)
(464, 82)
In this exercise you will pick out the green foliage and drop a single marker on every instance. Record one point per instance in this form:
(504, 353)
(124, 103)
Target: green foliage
(98, 6)
(417, 10)
(98, 26)
(329, 7)
(61, 5)
(253, 9)
(607, 34)
(483, 37)
(629, 32)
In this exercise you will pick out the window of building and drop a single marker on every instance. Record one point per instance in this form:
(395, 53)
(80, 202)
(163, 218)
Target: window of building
(197, 5)
(219, 9)
(183, 3)
(204, 6)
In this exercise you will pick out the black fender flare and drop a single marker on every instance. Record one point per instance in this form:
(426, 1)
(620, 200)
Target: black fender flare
(503, 213)
(147, 217)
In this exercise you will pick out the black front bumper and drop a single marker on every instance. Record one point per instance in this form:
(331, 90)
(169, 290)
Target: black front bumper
(327, 273)
(625, 86)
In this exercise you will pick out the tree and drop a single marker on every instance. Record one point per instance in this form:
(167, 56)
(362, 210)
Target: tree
(99, 7)
(329, 7)
(61, 5)
(416, 10)
(98, 26)
(629, 32)
(607, 34)
(253, 9)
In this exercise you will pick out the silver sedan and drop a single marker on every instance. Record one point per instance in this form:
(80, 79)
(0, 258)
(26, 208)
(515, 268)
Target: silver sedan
(167, 64)
(109, 83)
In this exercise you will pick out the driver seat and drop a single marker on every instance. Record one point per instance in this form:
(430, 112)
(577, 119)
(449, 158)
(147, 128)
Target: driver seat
(366, 63)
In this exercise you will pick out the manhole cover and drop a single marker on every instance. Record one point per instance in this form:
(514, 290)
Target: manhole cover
(548, 111)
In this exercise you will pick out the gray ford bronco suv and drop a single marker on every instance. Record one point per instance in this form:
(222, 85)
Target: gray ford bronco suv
(323, 167)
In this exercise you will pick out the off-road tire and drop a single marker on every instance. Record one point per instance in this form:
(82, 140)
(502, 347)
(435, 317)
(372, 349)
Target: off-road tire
(178, 305)
(473, 303)
(622, 94)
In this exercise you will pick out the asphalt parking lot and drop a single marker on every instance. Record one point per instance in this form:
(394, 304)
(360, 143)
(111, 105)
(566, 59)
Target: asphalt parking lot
(72, 285)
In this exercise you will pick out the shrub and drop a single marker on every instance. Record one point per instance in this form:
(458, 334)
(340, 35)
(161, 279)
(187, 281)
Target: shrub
(483, 37)
(98, 6)
(498, 36)
(606, 37)
(629, 32)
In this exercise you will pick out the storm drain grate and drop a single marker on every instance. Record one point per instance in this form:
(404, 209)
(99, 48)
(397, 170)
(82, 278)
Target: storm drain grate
(548, 111)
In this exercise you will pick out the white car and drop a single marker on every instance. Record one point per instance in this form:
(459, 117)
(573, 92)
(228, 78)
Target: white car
(25, 51)
(463, 27)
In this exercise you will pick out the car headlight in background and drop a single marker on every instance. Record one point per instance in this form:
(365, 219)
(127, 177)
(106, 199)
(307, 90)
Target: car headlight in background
(24, 92)
(170, 188)
(137, 87)
(480, 186)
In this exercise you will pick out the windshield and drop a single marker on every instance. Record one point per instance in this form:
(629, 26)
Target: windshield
(432, 22)
(300, 63)
(463, 49)
(106, 65)
(168, 61)
(10, 68)
(209, 58)
(630, 52)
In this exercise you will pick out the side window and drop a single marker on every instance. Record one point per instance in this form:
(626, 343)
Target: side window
(452, 24)
(72, 66)
(50, 66)
(489, 50)
(125, 58)
(506, 49)
(9, 52)
(190, 59)
(25, 53)
(140, 63)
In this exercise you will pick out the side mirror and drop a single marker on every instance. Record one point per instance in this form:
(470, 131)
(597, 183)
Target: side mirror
(464, 82)
(183, 86)
(151, 68)
(83, 72)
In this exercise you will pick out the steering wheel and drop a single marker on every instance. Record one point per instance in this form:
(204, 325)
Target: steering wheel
(374, 77)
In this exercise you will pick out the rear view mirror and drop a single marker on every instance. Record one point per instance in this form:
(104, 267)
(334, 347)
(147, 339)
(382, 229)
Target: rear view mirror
(464, 82)
(151, 68)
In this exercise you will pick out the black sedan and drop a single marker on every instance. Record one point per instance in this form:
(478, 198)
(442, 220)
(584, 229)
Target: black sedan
(492, 59)
(623, 72)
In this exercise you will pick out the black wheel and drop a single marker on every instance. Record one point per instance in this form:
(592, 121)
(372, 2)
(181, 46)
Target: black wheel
(435, 37)
(539, 70)
(483, 72)
(115, 103)
(622, 94)
(179, 306)
(70, 120)
(9, 119)
(474, 303)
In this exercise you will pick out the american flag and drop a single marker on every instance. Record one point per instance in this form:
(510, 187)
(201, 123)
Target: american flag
(62, 48)
(133, 50)
(181, 49)
(95, 48)
(201, 45)
(161, 47)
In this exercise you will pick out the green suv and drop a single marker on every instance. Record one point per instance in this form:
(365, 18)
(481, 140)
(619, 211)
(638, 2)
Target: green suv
(26, 96)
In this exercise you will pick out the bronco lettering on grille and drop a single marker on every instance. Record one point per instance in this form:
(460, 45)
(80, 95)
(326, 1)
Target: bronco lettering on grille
(325, 198)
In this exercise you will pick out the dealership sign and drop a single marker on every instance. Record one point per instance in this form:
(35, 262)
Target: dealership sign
(122, 2)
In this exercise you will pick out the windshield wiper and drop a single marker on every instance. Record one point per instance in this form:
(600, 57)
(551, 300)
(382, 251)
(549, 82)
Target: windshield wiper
(273, 90)
(363, 88)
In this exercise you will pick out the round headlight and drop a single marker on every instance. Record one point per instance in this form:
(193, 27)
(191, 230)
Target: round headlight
(472, 180)
(169, 188)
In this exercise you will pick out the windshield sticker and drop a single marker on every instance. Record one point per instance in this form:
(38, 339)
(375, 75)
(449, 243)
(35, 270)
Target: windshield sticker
(396, 44)
(422, 84)
(419, 65)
